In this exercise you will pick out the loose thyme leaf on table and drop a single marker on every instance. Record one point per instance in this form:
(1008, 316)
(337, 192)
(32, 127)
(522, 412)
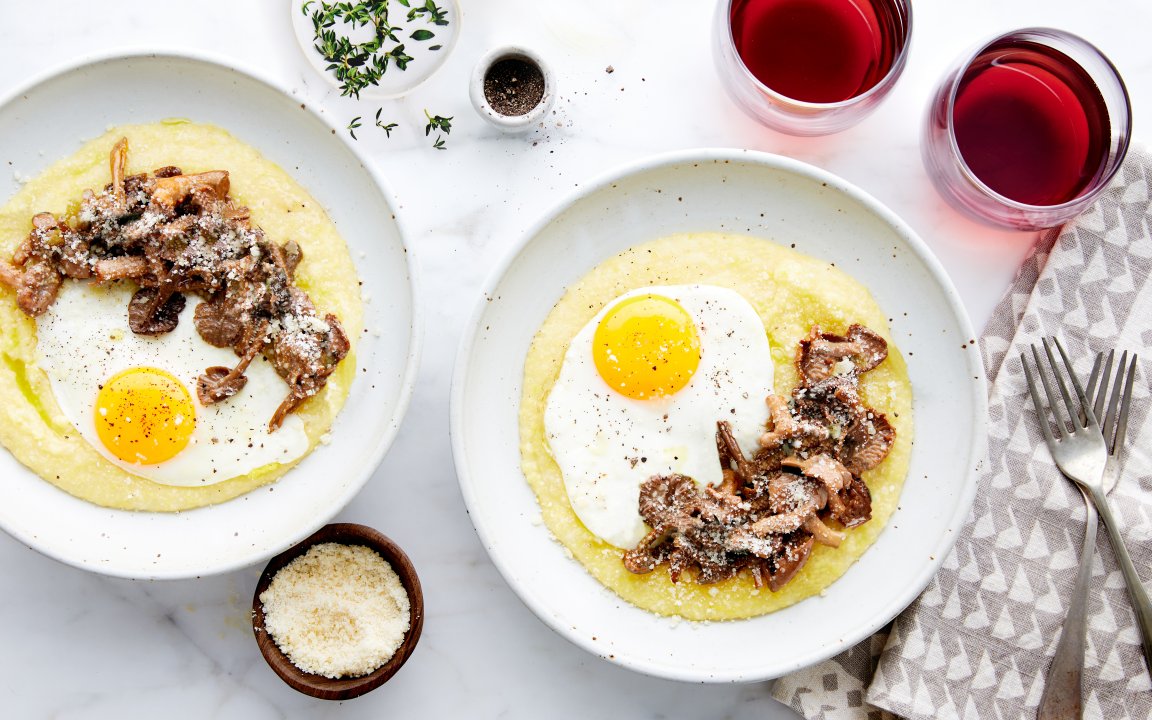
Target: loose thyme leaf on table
(359, 65)
(386, 128)
(352, 127)
(436, 122)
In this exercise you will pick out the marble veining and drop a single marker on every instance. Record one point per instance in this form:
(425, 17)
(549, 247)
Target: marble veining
(77, 645)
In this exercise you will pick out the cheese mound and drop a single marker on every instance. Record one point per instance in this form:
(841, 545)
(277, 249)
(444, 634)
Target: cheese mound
(337, 610)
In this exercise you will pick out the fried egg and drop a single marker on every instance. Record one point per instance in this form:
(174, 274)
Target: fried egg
(133, 397)
(640, 391)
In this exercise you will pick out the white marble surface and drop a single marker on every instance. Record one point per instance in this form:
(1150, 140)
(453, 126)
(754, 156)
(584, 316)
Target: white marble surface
(79, 645)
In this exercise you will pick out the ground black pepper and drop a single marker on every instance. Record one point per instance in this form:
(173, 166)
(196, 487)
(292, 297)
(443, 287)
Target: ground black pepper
(513, 86)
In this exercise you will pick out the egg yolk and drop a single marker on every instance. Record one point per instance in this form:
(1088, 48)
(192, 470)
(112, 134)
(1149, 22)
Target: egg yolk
(646, 347)
(144, 415)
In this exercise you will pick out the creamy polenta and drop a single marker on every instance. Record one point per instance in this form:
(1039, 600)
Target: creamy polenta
(791, 292)
(32, 426)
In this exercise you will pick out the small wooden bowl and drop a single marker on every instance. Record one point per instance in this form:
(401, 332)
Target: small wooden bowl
(342, 688)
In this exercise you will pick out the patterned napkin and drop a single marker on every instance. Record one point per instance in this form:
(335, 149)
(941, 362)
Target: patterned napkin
(978, 641)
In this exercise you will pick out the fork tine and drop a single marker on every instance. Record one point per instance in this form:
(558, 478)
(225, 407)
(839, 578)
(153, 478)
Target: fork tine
(1125, 404)
(1053, 400)
(1084, 404)
(1040, 416)
(1098, 383)
(1114, 402)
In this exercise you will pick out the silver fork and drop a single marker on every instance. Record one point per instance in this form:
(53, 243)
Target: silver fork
(1082, 455)
(1062, 696)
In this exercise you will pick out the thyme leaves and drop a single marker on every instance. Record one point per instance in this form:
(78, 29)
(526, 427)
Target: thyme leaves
(436, 122)
(358, 65)
(386, 127)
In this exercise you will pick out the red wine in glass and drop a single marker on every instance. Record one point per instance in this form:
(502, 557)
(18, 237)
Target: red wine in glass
(1031, 123)
(818, 51)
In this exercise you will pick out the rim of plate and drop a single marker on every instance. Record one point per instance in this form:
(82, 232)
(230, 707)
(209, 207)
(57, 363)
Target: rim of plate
(977, 389)
(416, 325)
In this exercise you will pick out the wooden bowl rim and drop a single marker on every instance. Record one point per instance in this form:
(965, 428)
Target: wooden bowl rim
(340, 688)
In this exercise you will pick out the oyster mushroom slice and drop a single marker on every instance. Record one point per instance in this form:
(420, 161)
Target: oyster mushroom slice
(821, 355)
(171, 191)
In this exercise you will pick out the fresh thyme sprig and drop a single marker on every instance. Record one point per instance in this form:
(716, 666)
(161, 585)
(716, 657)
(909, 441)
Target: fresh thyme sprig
(380, 124)
(436, 122)
(359, 65)
(435, 14)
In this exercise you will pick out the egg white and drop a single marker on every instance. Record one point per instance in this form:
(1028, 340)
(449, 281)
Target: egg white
(607, 445)
(83, 340)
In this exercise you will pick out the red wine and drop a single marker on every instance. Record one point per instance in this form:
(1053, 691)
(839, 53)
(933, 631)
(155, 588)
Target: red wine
(1031, 123)
(821, 51)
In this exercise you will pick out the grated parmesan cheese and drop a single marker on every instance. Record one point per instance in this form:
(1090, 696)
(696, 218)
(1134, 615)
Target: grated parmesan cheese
(337, 610)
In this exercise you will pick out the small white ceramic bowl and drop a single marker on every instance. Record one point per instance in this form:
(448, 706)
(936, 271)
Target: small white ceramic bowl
(395, 82)
(511, 123)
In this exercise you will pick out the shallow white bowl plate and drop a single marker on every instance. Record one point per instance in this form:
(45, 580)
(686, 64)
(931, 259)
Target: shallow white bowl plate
(394, 82)
(49, 120)
(774, 198)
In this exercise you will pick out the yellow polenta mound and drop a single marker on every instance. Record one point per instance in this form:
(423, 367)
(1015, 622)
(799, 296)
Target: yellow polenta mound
(31, 424)
(791, 292)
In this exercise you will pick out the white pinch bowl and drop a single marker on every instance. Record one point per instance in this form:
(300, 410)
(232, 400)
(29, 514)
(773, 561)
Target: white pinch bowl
(511, 124)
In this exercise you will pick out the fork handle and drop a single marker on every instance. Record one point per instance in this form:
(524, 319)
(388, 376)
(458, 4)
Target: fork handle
(1136, 592)
(1062, 698)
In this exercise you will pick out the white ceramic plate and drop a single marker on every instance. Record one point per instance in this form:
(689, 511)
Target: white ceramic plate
(394, 82)
(49, 120)
(766, 196)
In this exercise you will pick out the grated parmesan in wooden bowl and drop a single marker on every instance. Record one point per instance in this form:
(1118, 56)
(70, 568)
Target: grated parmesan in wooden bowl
(338, 614)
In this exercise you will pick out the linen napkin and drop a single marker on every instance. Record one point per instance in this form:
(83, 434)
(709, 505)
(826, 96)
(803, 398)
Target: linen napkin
(978, 642)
